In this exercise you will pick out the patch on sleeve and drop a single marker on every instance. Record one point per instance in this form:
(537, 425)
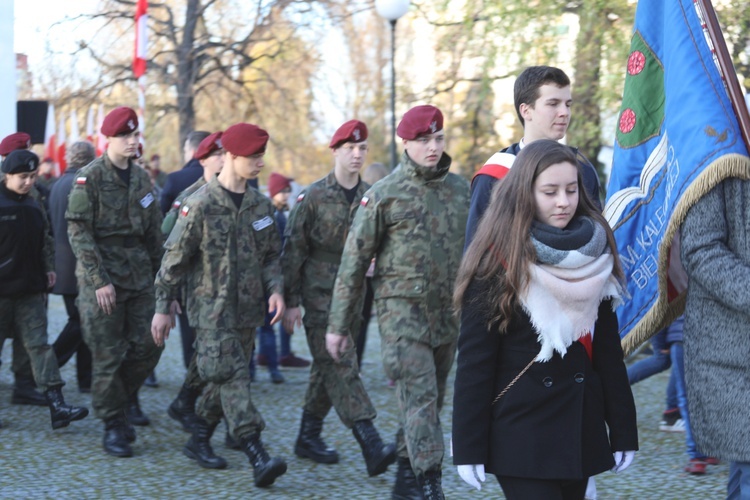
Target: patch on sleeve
(81, 181)
(365, 200)
(78, 203)
(184, 210)
(147, 200)
(176, 204)
(262, 223)
(300, 197)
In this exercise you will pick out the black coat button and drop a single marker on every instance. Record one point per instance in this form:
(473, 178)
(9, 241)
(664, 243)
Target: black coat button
(578, 377)
(547, 381)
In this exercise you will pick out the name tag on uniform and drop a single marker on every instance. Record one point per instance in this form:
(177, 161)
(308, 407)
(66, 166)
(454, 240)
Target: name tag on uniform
(147, 200)
(262, 223)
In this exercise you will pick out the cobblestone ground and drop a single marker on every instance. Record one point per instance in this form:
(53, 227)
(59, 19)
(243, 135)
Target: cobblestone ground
(36, 462)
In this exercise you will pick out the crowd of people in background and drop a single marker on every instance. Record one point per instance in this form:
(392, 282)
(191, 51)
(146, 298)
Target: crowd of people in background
(452, 269)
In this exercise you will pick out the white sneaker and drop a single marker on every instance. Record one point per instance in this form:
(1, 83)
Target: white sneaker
(677, 426)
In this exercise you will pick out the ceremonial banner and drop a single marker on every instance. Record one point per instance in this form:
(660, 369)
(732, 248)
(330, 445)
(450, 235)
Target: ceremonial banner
(677, 137)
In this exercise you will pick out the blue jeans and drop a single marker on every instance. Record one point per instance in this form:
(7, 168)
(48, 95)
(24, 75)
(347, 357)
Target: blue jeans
(267, 342)
(738, 486)
(678, 371)
(656, 363)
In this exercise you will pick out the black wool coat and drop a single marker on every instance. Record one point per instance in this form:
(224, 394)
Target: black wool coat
(562, 419)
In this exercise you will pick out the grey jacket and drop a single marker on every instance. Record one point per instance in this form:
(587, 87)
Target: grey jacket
(716, 254)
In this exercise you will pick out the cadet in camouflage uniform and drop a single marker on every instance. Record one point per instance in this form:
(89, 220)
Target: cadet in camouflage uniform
(27, 271)
(315, 237)
(413, 223)
(114, 230)
(225, 248)
(210, 154)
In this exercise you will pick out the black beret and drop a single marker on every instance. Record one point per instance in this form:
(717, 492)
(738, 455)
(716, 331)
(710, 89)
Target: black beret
(19, 161)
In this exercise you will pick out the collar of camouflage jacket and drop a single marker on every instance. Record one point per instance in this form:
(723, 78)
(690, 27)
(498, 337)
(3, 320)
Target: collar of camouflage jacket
(426, 173)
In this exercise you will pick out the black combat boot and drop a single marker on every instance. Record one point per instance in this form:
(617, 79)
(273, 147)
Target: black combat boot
(134, 413)
(25, 393)
(406, 486)
(432, 489)
(62, 414)
(378, 456)
(199, 448)
(265, 469)
(115, 441)
(182, 408)
(309, 443)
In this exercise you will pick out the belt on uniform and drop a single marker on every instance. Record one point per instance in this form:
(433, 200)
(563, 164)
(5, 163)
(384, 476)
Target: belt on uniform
(324, 256)
(121, 241)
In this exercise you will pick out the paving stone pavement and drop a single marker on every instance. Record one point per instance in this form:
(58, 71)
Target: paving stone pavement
(36, 462)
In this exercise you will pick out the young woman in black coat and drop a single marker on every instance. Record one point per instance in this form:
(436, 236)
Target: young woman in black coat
(541, 396)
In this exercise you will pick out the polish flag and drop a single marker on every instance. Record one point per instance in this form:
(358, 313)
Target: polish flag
(139, 58)
(90, 125)
(50, 138)
(61, 148)
(101, 139)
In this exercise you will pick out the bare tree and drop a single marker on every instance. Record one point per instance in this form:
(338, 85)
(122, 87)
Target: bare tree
(199, 46)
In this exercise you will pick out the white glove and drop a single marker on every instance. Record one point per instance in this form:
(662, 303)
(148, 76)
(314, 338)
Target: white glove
(473, 475)
(623, 459)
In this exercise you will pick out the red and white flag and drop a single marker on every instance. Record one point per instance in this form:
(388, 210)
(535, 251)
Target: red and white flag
(90, 133)
(61, 148)
(139, 58)
(50, 138)
(75, 133)
(101, 139)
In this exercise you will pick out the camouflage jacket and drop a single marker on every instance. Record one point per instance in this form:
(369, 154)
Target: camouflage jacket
(227, 258)
(315, 237)
(170, 218)
(413, 222)
(113, 227)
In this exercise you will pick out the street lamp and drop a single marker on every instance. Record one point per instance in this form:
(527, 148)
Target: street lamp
(392, 10)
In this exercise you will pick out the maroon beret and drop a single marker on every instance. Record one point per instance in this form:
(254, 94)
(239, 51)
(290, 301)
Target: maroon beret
(244, 139)
(208, 146)
(139, 151)
(420, 120)
(120, 120)
(351, 131)
(277, 182)
(19, 140)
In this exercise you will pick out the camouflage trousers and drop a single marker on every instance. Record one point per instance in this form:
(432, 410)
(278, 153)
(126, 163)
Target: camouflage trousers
(420, 372)
(26, 317)
(123, 352)
(193, 379)
(335, 384)
(222, 358)
(21, 364)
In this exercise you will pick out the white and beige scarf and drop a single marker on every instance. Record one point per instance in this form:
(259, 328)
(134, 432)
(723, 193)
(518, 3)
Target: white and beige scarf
(572, 276)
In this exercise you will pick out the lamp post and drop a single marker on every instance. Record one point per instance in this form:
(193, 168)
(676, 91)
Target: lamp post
(392, 10)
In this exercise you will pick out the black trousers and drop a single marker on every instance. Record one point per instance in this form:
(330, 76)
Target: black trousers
(70, 342)
(187, 335)
(366, 315)
(523, 488)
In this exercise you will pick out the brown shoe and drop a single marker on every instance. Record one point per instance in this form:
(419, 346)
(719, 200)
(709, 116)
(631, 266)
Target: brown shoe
(292, 361)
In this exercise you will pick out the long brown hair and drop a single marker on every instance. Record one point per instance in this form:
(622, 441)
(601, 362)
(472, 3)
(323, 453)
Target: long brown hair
(501, 251)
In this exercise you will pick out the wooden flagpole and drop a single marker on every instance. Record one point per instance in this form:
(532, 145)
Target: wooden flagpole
(726, 67)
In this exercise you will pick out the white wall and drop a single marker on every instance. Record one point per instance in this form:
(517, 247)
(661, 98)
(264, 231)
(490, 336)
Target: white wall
(7, 70)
